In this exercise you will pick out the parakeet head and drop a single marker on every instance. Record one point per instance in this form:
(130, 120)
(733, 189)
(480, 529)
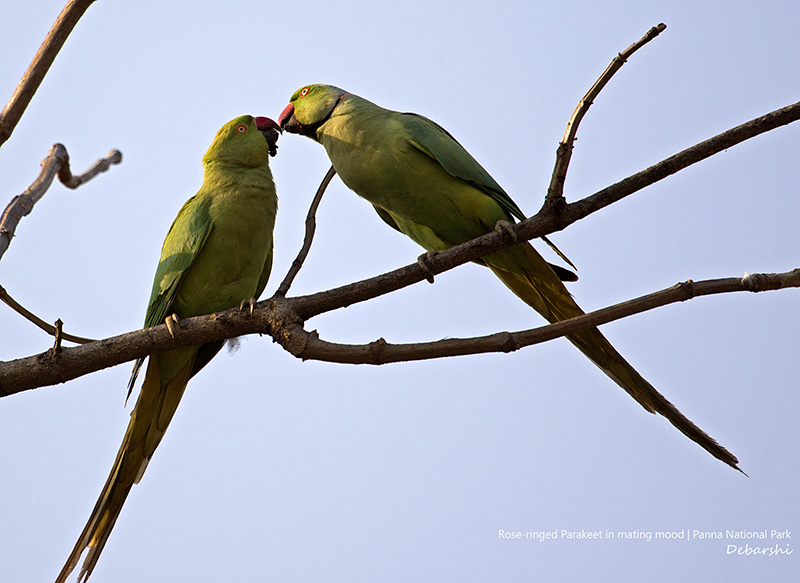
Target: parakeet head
(309, 108)
(245, 141)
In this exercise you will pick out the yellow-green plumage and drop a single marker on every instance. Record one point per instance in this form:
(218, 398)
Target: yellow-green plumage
(217, 253)
(425, 184)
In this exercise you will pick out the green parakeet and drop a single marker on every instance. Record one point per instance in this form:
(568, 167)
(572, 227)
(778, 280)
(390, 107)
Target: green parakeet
(217, 254)
(423, 183)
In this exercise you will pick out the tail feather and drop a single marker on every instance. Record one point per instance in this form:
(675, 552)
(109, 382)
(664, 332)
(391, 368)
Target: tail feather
(538, 286)
(149, 420)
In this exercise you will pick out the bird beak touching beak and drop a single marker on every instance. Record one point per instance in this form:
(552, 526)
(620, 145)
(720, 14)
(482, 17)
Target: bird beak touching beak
(270, 130)
(288, 121)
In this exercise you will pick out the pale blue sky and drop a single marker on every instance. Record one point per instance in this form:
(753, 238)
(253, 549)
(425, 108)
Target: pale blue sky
(288, 471)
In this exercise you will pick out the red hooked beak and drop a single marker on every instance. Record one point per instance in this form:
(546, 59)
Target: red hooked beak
(286, 115)
(270, 130)
(265, 124)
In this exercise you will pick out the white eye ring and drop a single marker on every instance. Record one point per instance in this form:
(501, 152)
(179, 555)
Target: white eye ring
(304, 91)
(241, 128)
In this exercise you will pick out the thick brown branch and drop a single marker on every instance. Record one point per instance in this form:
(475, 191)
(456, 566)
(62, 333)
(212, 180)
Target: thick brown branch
(49, 369)
(555, 192)
(382, 352)
(61, 29)
(277, 318)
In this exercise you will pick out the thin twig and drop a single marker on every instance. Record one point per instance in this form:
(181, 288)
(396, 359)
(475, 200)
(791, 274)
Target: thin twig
(26, 89)
(311, 226)
(555, 192)
(70, 181)
(57, 348)
(50, 329)
(55, 164)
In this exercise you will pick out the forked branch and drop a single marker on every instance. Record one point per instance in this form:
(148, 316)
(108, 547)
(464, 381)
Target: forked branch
(277, 317)
(55, 164)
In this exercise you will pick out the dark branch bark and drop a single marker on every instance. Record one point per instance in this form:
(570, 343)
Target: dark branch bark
(282, 318)
(48, 368)
(542, 223)
(277, 318)
(381, 352)
(679, 161)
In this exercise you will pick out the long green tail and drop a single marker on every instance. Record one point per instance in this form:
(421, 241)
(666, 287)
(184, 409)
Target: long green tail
(538, 286)
(151, 416)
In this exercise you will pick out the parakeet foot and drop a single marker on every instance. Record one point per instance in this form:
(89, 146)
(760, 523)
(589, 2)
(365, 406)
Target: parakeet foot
(251, 303)
(502, 226)
(172, 321)
(424, 262)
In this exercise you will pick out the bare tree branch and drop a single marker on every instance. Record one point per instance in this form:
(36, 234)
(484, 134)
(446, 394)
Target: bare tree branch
(555, 192)
(57, 161)
(72, 362)
(311, 226)
(55, 164)
(58, 335)
(277, 318)
(679, 161)
(70, 181)
(308, 346)
(55, 39)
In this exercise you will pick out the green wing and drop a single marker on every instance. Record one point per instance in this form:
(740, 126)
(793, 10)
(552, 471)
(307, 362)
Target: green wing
(435, 141)
(185, 239)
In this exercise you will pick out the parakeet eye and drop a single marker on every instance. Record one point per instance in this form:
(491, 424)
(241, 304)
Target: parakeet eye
(304, 91)
(241, 128)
